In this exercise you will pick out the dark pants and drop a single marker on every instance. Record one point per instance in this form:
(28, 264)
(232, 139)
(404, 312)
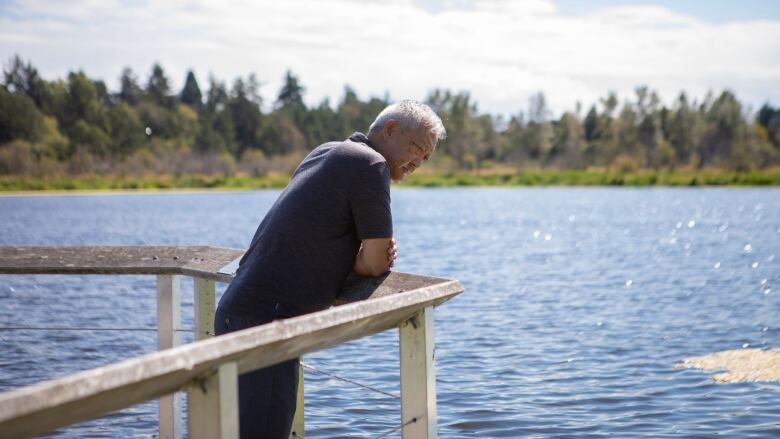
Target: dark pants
(266, 397)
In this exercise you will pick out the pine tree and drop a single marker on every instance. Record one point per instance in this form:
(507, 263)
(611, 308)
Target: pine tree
(129, 90)
(190, 94)
(158, 87)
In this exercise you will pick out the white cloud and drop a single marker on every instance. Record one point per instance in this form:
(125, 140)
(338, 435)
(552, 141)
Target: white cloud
(500, 51)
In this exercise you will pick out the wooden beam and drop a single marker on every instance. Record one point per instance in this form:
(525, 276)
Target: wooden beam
(44, 407)
(298, 425)
(196, 260)
(204, 307)
(212, 405)
(168, 336)
(418, 376)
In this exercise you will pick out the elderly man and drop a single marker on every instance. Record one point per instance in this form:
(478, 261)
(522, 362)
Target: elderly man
(333, 218)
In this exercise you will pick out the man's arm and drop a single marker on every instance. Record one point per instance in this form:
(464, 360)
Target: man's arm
(375, 256)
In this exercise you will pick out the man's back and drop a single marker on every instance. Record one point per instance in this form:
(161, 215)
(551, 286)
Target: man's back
(306, 245)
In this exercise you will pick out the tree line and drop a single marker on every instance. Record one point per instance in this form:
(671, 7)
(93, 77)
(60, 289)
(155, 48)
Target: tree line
(77, 126)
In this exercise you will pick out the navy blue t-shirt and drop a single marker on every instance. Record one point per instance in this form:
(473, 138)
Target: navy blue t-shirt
(306, 245)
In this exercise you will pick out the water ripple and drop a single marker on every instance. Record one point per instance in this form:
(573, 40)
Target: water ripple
(571, 336)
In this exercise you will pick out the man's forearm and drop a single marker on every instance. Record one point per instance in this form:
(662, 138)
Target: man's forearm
(364, 267)
(372, 261)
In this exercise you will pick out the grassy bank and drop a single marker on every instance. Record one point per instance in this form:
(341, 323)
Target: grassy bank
(423, 179)
(164, 182)
(598, 178)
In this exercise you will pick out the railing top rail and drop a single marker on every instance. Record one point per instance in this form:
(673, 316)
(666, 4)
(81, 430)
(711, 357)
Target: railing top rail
(192, 260)
(371, 305)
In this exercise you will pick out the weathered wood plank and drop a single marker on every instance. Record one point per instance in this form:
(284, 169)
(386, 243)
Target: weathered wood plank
(46, 406)
(358, 288)
(196, 261)
(204, 304)
(212, 405)
(418, 376)
(298, 425)
(168, 336)
(200, 261)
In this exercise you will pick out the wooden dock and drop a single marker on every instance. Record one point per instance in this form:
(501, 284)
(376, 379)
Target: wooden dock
(207, 370)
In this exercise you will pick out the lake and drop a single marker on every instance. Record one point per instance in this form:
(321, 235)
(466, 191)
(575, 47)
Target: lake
(578, 303)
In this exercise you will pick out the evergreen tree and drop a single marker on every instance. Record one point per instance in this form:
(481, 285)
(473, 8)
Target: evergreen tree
(190, 94)
(724, 140)
(569, 142)
(217, 130)
(513, 140)
(158, 87)
(322, 124)
(19, 117)
(627, 145)
(82, 102)
(290, 103)
(21, 77)
(538, 135)
(103, 96)
(291, 93)
(682, 130)
(591, 124)
(129, 90)
(769, 119)
(246, 116)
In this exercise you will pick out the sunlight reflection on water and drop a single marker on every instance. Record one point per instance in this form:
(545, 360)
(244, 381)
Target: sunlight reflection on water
(578, 303)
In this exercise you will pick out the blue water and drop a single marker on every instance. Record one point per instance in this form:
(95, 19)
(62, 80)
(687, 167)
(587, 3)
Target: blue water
(578, 304)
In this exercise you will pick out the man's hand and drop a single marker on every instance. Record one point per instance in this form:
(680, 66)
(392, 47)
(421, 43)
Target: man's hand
(375, 256)
(392, 252)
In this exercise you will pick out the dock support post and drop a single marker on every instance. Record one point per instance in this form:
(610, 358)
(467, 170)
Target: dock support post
(212, 405)
(168, 336)
(298, 424)
(418, 376)
(204, 300)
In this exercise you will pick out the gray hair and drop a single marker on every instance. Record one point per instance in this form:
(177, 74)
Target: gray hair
(410, 115)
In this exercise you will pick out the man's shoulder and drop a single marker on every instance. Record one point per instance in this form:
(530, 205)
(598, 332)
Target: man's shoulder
(348, 153)
(355, 151)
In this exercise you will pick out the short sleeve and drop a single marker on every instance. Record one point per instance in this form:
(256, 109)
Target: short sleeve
(369, 199)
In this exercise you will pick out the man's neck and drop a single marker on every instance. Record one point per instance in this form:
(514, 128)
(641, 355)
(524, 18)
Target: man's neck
(378, 143)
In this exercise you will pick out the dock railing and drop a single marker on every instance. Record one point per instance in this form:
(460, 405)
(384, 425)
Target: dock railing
(208, 369)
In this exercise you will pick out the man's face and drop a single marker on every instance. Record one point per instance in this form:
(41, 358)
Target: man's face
(408, 149)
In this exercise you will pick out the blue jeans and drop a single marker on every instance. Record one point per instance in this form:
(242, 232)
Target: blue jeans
(266, 397)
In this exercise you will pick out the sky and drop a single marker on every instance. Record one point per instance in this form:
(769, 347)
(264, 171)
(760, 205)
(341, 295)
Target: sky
(501, 51)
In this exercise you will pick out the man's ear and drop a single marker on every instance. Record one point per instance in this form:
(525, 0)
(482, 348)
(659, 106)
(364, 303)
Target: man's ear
(390, 127)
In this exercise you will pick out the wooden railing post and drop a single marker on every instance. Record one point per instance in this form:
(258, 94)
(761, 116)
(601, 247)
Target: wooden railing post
(204, 307)
(298, 421)
(418, 376)
(168, 336)
(212, 405)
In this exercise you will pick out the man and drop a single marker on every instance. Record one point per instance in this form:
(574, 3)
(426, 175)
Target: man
(333, 218)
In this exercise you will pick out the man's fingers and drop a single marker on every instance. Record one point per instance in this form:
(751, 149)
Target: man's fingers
(392, 252)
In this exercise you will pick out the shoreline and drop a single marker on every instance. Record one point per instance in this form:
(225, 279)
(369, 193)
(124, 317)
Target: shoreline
(24, 186)
(183, 191)
(108, 192)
